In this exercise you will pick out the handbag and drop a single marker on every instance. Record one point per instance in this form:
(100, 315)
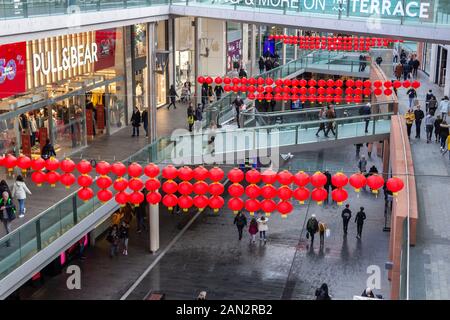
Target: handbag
(327, 233)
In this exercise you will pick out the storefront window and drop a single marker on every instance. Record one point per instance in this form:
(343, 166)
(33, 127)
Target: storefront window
(116, 105)
(184, 51)
(234, 45)
(162, 59)
(426, 57)
(8, 136)
(140, 40)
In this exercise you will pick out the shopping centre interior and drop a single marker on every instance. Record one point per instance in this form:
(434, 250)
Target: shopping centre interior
(74, 75)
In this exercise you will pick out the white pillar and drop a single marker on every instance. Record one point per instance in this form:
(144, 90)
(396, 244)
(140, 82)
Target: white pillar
(171, 67)
(433, 62)
(245, 48)
(447, 74)
(153, 219)
(197, 47)
(253, 52)
(128, 73)
(151, 81)
(284, 47)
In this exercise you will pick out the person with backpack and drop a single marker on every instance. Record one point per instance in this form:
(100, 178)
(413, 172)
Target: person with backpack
(262, 228)
(190, 117)
(240, 221)
(253, 229)
(48, 150)
(359, 220)
(113, 239)
(124, 232)
(7, 212)
(19, 192)
(312, 226)
(346, 216)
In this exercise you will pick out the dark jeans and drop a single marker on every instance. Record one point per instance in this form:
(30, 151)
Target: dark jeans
(359, 228)
(345, 223)
(190, 127)
(322, 238)
(321, 128)
(33, 139)
(240, 231)
(172, 102)
(415, 72)
(408, 129)
(330, 127)
(443, 141)
(429, 132)
(146, 129)
(135, 131)
(367, 125)
(418, 124)
(312, 237)
(436, 133)
(262, 235)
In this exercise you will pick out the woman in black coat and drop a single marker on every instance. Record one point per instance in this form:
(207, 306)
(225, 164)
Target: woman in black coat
(136, 121)
(322, 292)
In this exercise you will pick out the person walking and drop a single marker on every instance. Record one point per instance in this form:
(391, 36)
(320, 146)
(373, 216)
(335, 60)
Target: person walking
(437, 128)
(240, 221)
(19, 192)
(124, 232)
(322, 292)
(327, 185)
(4, 187)
(144, 120)
(190, 117)
(443, 133)
(204, 95)
(237, 103)
(312, 226)
(262, 228)
(253, 229)
(429, 125)
(432, 105)
(362, 63)
(415, 67)
(359, 220)
(444, 108)
(412, 94)
(427, 99)
(409, 117)
(330, 125)
(136, 121)
(172, 96)
(113, 239)
(398, 71)
(366, 111)
(48, 150)
(322, 229)
(218, 91)
(346, 216)
(323, 118)
(379, 60)
(369, 146)
(7, 212)
(198, 117)
(362, 164)
(418, 115)
(261, 64)
(406, 71)
(242, 73)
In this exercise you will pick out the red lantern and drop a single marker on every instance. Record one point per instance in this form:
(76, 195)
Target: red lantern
(268, 191)
(269, 81)
(103, 168)
(154, 197)
(415, 84)
(216, 174)
(318, 179)
(236, 204)
(312, 90)
(285, 207)
(357, 181)
(301, 194)
(136, 198)
(388, 84)
(301, 179)
(38, 177)
(122, 198)
(226, 80)
(216, 189)
(375, 182)
(339, 195)
(24, 163)
(52, 164)
(85, 194)
(349, 83)
(285, 177)
(349, 91)
(151, 170)
(152, 184)
(279, 82)
(339, 83)
(104, 195)
(377, 91)
(349, 99)
(367, 92)
(269, 176)
(135, 184)
(169, 186)
(339, 180)
(67, 179)
(185, 202)
(395, 184)
(227, 88)
(84, 167)
(216, 202)
(321, 83)
(303, 82)
(387, 92)
(330, 83)
(201, 173)
(83, 180)
(251, 96)
(170, 201)
(67, 165)
(103, 182)
(218, 80)
(367, 84)
(252, 205)
(260, 81)
(235, 175)
(169, 172)
(359, 83)
(312, 83)
(201, 79)
(201, 202)
(135, 170)
(284, 193)
(269, 97)
(253, 176)
(185, 173)
(236, 190)
(268, 206)
(319, 195)
(53, 177)
(252, 191)
(377, 84)
(36, 164)
(200, 187)
(397, 84)
(10, 162)
(209, 80)
(120, 184)
(406, 84)
(119, 169)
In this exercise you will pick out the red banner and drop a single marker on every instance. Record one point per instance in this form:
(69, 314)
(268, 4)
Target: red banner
(43, 135)
(100, 116)
(106, 48)
(89, 122)
(26, 144)
(13, 68)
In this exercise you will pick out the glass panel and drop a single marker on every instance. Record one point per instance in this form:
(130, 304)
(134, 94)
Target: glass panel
(10, 254)
(50, 224)
(28, 241)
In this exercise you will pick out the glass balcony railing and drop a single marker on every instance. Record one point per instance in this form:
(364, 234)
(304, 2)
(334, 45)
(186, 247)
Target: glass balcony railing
(424, 13)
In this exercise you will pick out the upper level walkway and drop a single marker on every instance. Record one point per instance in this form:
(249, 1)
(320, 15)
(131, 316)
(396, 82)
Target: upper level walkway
(426, 20)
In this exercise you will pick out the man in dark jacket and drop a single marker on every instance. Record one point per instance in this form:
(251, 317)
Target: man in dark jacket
(359, 219)
(415, 66)
(428, 97)
(7, 212)
(136, 121)
(237, 104)
(330, 125)
(261, 64)
(240, 221)
(406, 71)
(419, 115)
(218, 90)
(366, 110)
(346, 216)
(327, 185)
(144, 117)
(48, 150)
(312, 226)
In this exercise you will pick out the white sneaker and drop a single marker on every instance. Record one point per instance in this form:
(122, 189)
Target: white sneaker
(126, 252)
(21, 215)
(24, 210)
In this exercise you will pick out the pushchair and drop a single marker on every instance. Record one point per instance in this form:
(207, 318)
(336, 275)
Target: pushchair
(185, 95)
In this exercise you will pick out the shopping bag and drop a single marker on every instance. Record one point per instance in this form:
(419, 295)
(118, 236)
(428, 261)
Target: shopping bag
(327, 233)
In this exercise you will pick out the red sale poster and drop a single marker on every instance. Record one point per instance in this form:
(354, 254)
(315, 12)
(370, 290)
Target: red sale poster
(13, 68)
(106, 48)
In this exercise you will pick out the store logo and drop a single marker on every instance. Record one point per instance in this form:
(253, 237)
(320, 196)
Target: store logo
(105, 47)
(74, 280)
(338, 5)
(8, 69)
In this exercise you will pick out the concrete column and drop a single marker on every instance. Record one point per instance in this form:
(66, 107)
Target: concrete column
(260, 53)
(153, 219)
(433, 61)
(171, 60)
(447, 74)
(245, 48)
(197, 70)
(253, 51)
(386, 149)
(150, 91)
(284, 47)
(129, 76)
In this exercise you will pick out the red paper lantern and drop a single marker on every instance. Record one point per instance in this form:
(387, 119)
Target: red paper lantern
(236, 204)
(53, 177)
(38, 177)
(67, 165)
(279, 82)
(269, 176)
(301, 179)
(377, 84)
(216, 202)
(284, 207)
(387, 92)
(388, 84)
(185, 173)
(321, 83)
(349, 91)
(367, 92)
(357, 181)
(349, 99)
(339, 83)
(269, 97)
(216, 189)
(377, 91)
(318, 179)
(201, 202)
(218, 80)
(406, 84)
(268, 191)
(303, 82)
(236, 190)
(52, 164)
(200, 187)
(226, 80)
(251, 96)
(85, 194)
(36, 164)
(285, 177)
(135, 170)
(136, 198)
(227, 88)
(170, 201)
(253, 176)
(268, 206)
(260, 81)
(359, 83)
(367, 84)
(349, 83)
(301, 194)
(216, 174)
(312, 90)
(339, 195)
(122, 198)
(103, 168)
(185, 202)
(104, 195)
(312, 83)
(83, 180)
(395, 184)
(375, 182)
(252, 205)
(201, 79)
(284, 193)
(84, 167)
(319, 195)
(119, 169)
(67, 179)
(24, 163)
(151, 170)
(120, 184)
(397, 84)
(339, 180)
(169, 186)
(252, 191)
(152, 184)
(415, 84)
(170, 172)
(209, 80)
(10, 162)
(330, 83)
(103, 182)
(135, 184)
(269, 81)
(154, 197)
